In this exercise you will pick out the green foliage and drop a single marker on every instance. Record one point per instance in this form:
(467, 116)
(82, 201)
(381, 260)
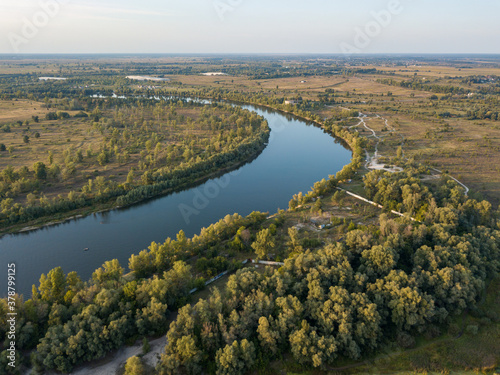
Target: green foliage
(237, 358)
(343, 299)
(264, 244)
(40, 170)
(134, 366)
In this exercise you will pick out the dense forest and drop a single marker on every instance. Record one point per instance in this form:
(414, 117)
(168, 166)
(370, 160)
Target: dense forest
(386, 282)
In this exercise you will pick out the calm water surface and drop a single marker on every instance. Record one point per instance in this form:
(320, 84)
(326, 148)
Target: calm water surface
(298, 155)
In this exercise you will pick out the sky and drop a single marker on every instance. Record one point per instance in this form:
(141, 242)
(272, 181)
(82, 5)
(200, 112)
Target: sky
(249, 26)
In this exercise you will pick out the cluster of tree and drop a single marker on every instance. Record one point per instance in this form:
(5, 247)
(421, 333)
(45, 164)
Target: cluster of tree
(490, 90)
(69, 321)
(345, 299)
(483, 112)
(174, 150)
(159, 257)
(477, 79)
(57, 115)
(164, 179)
(85, 324)
(405, 193)
(421, 85)
(401, 192)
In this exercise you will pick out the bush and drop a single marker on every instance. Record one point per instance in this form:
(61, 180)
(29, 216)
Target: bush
(453, 330)
(199, 283)
(81, 114)
(493, 315)
(134, 366)
(51, 116)
(146, 347)
(62, 115)
(432, 332)
(472, 329)
(311, 243)
(405, 340)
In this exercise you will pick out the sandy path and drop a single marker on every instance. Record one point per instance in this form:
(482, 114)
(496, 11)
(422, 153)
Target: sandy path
(372, 161)
(111, 364)
(458, 182)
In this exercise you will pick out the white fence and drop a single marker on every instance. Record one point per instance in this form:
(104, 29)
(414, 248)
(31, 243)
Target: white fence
(375, 204)
(243, 262)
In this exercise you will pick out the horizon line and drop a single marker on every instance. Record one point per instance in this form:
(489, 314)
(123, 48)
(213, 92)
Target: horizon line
(253, 53)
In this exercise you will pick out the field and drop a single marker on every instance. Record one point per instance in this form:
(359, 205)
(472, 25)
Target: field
(463, 147)
(55, 136)
(59, 136)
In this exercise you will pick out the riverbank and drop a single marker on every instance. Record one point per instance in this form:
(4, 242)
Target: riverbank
(63, 217)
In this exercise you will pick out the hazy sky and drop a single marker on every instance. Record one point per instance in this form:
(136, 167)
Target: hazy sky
(249, 26)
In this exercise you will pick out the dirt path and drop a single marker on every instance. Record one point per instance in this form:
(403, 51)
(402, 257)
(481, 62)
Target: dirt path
(458, 182)
(372, 161)
(112, 363)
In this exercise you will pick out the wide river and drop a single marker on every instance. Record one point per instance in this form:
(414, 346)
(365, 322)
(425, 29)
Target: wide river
(298, 155)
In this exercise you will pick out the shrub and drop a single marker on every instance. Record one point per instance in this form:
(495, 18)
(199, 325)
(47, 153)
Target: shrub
(472, 329)
(405, 340)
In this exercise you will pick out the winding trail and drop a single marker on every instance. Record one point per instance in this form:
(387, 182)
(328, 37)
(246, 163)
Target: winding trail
(458, 182)
(372, 161)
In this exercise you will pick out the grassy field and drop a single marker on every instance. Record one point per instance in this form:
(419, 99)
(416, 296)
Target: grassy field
(55, 136)
(20, 110)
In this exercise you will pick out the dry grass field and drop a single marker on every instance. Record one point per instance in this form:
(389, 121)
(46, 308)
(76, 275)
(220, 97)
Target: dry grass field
(64, 138)
(20, 110)
(438, 71)
(468, 149)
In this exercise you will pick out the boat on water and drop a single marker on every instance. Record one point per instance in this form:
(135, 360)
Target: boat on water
(86, 249)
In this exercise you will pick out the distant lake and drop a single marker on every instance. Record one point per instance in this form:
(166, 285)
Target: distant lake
(298, 155)
(52, 79)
